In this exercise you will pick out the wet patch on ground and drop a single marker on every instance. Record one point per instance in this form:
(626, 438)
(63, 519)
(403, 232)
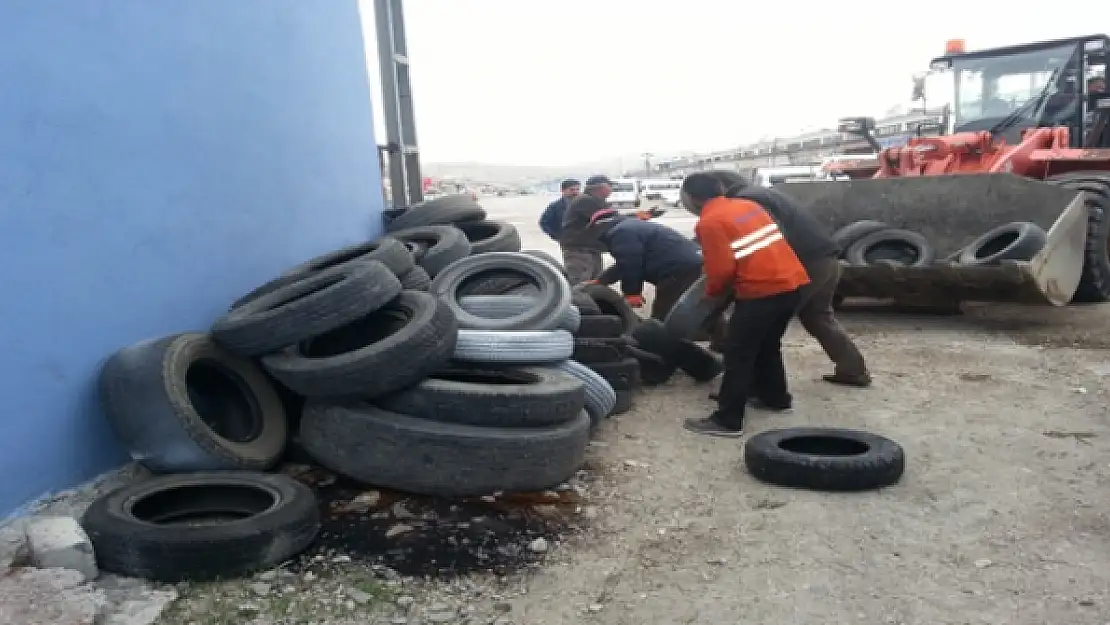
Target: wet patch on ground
(432, 537)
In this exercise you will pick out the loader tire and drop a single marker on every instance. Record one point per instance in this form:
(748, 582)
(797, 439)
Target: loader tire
(855, 231)
(891, 245)
(1094, 283)
(1020, 240)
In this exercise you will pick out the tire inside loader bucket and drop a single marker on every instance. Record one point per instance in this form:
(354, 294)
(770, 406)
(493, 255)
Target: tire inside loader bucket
(951, 212)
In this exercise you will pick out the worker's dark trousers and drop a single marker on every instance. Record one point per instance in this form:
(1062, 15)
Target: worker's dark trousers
(753, 356)
(582, 264)
(816, 314)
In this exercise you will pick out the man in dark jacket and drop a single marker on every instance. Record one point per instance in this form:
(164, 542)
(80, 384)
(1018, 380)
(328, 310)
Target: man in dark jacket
(551, 222)
(581, 248)
(819, 254)
(646, 251)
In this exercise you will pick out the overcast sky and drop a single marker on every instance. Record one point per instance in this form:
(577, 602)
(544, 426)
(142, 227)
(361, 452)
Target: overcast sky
(544, 82)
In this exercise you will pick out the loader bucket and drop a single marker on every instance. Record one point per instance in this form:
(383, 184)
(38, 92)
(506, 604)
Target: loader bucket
(951, 212)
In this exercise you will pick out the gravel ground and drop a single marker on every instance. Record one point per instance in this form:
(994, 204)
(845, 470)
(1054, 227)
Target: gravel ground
(999, 518)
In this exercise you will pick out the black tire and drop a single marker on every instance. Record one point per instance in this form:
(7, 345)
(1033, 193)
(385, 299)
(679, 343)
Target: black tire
(490, 236)
(853, 232)
(589, 351)
(1020, 240)
(652, 336)
(586, 304)
(898, 246)
(830, 459)
(317, 303)
(623, 375)
(653, 369)
(392, 348)
(253, 521)
(417, 250)
(440, 211)
(1094, 283)
(600, 327)
(386, 250)
(624, 402)
(492, 396)
(442, 245)
(698, 362)
(377, 447)
(416, 280)
(550, 305)
(183, 403)
(610, 302)
(544, 256)
(495, 282)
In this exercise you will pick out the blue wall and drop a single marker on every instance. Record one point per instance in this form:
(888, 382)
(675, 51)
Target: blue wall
(158, 158)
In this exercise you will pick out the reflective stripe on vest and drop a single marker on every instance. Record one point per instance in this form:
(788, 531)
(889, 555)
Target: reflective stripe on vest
(752, 243)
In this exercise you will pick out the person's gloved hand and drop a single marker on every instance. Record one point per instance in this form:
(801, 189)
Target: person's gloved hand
(635, 301)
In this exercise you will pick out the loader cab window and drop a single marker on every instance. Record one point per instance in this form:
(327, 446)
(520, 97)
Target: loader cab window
(1014, 91)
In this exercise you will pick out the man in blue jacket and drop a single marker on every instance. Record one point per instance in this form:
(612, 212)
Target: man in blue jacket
(646, 251)
(551, 221)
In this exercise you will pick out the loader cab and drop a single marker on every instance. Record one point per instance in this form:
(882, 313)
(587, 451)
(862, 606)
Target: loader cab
(1008, 90)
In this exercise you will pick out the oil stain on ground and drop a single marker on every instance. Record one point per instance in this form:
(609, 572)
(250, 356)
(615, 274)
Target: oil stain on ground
(426, 536)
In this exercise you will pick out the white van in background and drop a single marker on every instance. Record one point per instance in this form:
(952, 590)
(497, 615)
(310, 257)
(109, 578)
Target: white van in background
(662, 190)
(626, 193)
(771, 176)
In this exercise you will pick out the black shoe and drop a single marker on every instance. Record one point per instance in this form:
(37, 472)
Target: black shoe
(711, 427)
(858, 380)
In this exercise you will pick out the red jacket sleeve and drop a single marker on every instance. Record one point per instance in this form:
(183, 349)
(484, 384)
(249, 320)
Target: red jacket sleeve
(716, 253)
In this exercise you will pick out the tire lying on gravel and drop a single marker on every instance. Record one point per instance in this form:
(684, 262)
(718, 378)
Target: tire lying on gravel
(392, 348)
(492, 396)
(653, 369)
(600, 396)
(442, 245)
(609, 302)
(903, 247)
(201, 526)
(316, 303)
(387, 251)
(693, 310)
(591, 351)
(416, 280)
(503, 306)
(514, 346)
(600, 327)
(490, 236)
(697, 362)
(376, 446)
(183, 403)
(855, 231)
(1016, 241)
(831, 459)
(444, 210)
(550, 305)
(544, 256)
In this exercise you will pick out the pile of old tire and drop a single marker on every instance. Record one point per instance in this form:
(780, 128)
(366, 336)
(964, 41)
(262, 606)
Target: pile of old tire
(520, 327)
(603, 341)
(672, 353)
(442, 230)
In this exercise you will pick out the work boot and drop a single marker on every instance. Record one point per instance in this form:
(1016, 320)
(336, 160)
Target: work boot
(858, 380)
(712, 426)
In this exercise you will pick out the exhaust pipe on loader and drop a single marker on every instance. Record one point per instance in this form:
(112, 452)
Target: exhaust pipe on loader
(951, 212)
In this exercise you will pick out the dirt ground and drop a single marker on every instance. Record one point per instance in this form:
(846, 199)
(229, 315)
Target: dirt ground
(1000, 518)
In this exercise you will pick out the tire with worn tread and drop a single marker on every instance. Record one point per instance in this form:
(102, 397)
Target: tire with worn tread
(688, 317)
(863, 251)
(550, 305)
(416, 280)
(386, 250)
(397, 451)
(830, 459)
(183, 403)
(254, 521)
(1020, 240)
(316, 303)
(442, 245)
(392, 348)
(855, 231)
(514, 346)
(610, 302)
(600, 396)
(502, 306)
(444, 210)
(492, 396)
(1094, 283)
(491, 236)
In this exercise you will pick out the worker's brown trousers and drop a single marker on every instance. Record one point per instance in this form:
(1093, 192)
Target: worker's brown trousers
(816, 315)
